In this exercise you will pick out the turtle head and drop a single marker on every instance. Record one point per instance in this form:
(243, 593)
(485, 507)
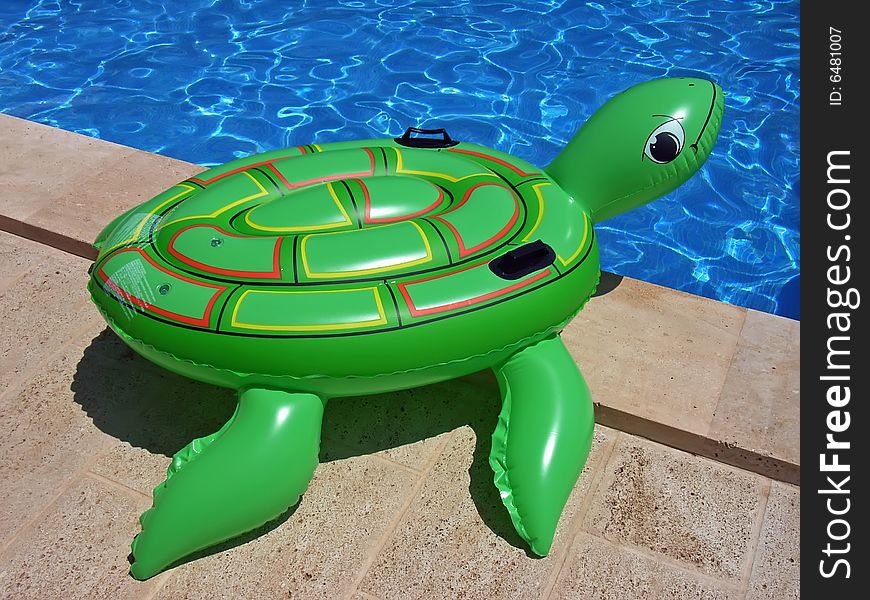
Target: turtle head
(642, 144)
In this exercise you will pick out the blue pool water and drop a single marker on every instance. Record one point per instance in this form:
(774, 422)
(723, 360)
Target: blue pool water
(210, 80)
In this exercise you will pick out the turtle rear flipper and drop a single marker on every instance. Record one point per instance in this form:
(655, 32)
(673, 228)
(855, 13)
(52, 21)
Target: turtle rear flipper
(223, 485)
(542, 439)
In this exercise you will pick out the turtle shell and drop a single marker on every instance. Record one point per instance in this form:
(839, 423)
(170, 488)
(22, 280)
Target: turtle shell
(357, 258)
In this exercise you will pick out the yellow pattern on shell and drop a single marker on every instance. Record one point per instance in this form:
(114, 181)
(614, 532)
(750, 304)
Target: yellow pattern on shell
(373, 270)
(223, 209)
(541, 208)
(401, 169)
(381, 320)
(298, 228)
(135, 236)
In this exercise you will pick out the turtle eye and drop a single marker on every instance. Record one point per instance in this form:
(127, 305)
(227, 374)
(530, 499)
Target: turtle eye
(665, 142)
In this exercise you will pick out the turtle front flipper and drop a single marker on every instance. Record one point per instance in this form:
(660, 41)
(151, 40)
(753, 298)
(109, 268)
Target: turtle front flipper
(220, 486)
(542, 439)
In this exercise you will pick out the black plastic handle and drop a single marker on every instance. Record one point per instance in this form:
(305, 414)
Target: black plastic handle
(532, 257)
(425, 142)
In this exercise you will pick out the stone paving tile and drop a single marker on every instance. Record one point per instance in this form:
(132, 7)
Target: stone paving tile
(149, 413)
(402, 426)
(135, 468)
(407, 426)
(656, 353)
(759, 408)
(91, 181)
(38, 164)
(89, 204)
(46, 438)
(96, 400)
(316, 550)
(689, 509)
(776, 571)
(599, 570)
(17, 257)
(78, 549)
(42, 309)
(457, 539)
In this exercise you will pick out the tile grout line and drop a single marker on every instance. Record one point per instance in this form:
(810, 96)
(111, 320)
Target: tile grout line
(376, 455)
(413, 494)
(755, 539)
(117, 485)
(31, 523)
(406, 468)
(16, 385)
(164, 577)
(161, 580)
(649, 555)
(727, 372)
(575, 526)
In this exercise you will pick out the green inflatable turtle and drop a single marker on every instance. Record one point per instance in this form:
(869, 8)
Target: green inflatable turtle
(362, 267)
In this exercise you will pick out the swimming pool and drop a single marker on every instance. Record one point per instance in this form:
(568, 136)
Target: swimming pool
(209, 80)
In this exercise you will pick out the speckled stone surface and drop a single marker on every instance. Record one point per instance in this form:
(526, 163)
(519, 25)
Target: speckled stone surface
(91, 181)
(367, 520)
(133, 467)
(776, 570)
(30, 151)
(407, 426)
(42, 306)
(679, 506)
(759, 408)
(78, 549)
(655, 352)
(149, 412)
(599, 570)
(45, 440)
(17, 257)
(316, 550)
(456, 540)
(88, 205)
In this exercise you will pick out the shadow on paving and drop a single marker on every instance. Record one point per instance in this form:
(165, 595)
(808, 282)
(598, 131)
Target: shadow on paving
(607, 283)
(137, 402)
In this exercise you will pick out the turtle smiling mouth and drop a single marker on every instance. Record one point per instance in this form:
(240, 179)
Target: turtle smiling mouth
(707, 120)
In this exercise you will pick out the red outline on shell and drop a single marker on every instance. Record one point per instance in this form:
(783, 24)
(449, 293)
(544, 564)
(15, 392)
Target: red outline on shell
(202, 322)
(367, 218)
(245, 168)
(291, 186)
(463, 251)
(417, 312)
(275, 273)
(503, 163)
